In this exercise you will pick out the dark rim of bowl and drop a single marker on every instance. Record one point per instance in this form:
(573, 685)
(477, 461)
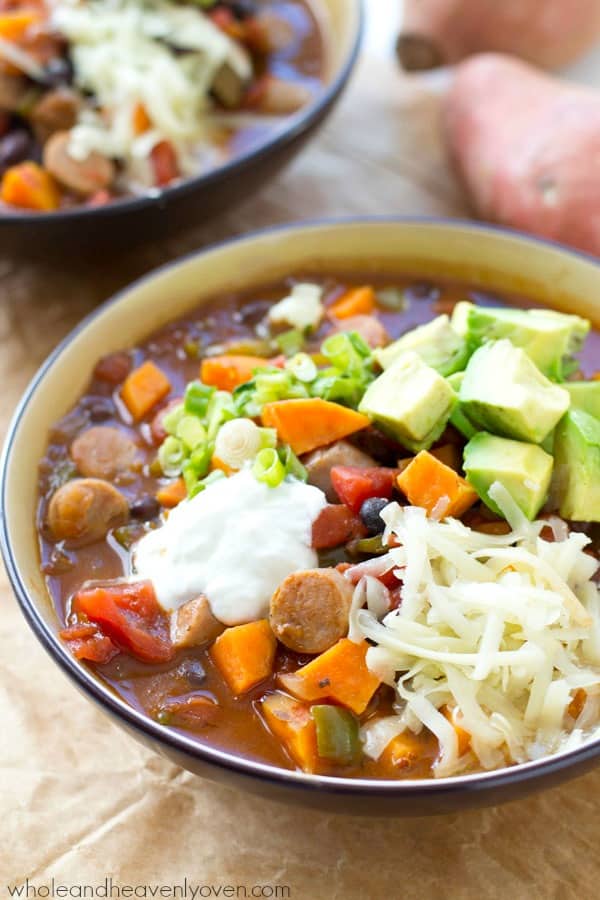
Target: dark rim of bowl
(98, 691)
(289, 131)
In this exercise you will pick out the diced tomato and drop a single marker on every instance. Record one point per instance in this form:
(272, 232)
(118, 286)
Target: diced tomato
(335, 525)
(130, 615)
(87, 642)
(278, 361)
(224, 19)
(164, 163)
(354, 485)
(395, 597)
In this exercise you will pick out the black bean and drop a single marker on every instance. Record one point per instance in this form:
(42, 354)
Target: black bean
(422, 290)
(145, 508)
(99, 408)
(193, 670)
(14, 148)
(58, 72)
(242, 9)
(370, 514)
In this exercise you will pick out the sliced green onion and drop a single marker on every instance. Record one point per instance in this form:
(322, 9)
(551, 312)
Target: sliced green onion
(346, 351)
(200, 459)
(345, 389)
(190, 477)
(171, 455)
(337, 734)
(359, 344)
(192, 432)
(200, 486)
(292, 464)
(245, 400)
(172, 419)
(290, 342)
(268, 437)
(268, 468)
(238, 442)
(277, 384)
(221, 408)
(302, 367)
(196, 398)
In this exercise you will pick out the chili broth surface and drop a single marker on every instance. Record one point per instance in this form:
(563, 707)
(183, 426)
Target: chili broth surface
(177, 349)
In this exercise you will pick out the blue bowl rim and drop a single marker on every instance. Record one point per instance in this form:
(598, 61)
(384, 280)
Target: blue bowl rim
(94, 688)
(299, 123)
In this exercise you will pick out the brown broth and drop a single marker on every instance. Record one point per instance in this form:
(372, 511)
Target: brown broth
(231, 317)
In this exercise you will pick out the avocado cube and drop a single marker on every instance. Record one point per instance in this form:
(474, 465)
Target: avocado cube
(460, 317)
(585, 395)
(549, 338)
(576, 483)
(505, 393)
(436, 343)
(410, 401)
(458, 417)
(525, 470)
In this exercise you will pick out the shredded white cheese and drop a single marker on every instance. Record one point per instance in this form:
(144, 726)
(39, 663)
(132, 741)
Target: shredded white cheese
(129, 52)
(503, 628)
(302, 308)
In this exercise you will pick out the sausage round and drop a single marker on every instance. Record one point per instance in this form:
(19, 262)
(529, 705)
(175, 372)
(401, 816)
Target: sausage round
(320, 462)
(84, 176)
(103, 452)
(193, 624)
(309, 610)
(85, 509)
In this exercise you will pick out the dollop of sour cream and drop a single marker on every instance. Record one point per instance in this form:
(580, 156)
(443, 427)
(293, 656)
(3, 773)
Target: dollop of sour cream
(235, 543)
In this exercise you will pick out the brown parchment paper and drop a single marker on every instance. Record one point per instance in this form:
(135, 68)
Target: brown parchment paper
(80, 801)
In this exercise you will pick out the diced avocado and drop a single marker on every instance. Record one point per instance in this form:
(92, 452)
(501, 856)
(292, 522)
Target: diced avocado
(458, 417)
(576, 483)
(410, 401)
(436, 343)
(585, 395)
(548, 443)
(549, 338)
(504, 392)
(460, 317)
(523, 469)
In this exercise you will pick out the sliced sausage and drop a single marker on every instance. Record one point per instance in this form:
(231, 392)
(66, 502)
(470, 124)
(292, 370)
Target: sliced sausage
(369, 327)
(103, 451)
(309, 610)
(55, 111)
(85, 509)
(194, 625)
(83, 176)
(319, 463)
(336, 525)
(281, 98)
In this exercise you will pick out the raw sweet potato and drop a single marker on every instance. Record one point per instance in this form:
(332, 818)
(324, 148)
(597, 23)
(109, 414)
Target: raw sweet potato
(550, 34)
(527, 148)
